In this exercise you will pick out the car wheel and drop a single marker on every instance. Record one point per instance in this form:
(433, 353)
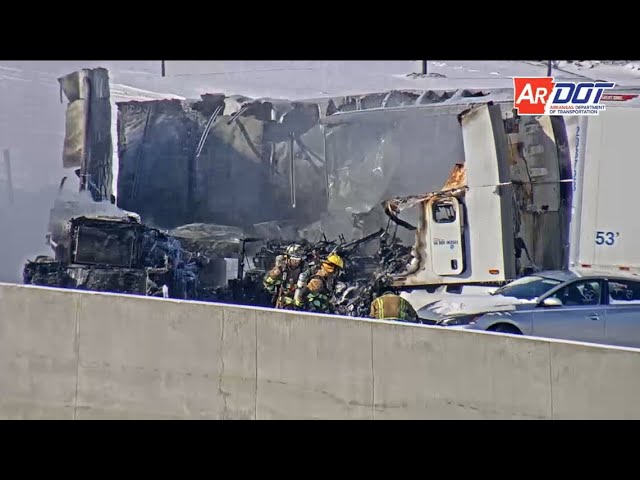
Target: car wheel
(505, 328)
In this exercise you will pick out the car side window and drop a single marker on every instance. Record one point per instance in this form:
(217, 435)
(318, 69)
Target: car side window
(580, 293)
(623, 292)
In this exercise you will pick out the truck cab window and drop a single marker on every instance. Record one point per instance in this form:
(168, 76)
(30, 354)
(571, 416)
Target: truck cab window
(444, 212)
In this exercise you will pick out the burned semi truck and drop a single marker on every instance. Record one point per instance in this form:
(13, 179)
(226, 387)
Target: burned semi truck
(522, 194)
(322, 167)
(499, 187)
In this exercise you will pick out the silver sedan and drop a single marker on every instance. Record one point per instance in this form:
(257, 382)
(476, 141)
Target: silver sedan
(571, 305)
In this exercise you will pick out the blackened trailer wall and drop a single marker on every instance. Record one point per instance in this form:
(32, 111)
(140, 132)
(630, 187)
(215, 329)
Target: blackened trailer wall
(240, 176)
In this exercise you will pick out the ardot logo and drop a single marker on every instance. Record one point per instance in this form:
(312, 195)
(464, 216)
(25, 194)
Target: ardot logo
(543, 96)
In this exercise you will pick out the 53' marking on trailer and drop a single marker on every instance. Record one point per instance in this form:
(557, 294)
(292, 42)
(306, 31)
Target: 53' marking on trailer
(606, 238)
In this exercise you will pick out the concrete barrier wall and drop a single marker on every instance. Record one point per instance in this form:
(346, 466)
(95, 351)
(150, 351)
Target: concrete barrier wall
(66, 354)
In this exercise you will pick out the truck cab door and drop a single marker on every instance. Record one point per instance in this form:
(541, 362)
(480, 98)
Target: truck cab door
(444, 224)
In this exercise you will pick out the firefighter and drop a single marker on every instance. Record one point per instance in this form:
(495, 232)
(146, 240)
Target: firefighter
(281, 280)
(391, 306)
(315, 295)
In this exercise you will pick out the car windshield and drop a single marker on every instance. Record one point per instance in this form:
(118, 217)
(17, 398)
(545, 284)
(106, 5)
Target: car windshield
(527, 288)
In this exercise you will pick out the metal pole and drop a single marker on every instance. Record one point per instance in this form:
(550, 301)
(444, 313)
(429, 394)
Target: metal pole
(549, 68)
(88, 140)
(293, 170)
(424, 67)
(326, 161)
(163, 68)
(7, 164)
(241, 256)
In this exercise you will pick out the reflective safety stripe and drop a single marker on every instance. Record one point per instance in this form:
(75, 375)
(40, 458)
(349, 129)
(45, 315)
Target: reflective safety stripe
(379, 308)
(282, 301)
(402, 314)
(270, 283)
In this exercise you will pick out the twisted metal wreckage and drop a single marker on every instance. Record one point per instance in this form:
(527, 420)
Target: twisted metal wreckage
(223, 180)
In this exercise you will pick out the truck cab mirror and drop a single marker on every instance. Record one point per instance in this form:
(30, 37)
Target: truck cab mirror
(552, 302)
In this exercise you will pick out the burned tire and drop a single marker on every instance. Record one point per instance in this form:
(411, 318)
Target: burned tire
(505, 328)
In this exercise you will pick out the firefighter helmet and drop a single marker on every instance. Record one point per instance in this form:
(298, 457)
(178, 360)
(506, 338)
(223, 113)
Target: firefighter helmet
(294, 252)
(335, 259)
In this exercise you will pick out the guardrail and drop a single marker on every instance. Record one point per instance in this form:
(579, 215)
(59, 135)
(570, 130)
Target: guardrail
(83, 355)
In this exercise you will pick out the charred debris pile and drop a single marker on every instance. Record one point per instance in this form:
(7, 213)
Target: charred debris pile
(104, 249)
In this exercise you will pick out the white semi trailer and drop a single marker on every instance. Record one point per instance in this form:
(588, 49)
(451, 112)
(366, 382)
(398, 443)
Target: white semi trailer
(605, 227)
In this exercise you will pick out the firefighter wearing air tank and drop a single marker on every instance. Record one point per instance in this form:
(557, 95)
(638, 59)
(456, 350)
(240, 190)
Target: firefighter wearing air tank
(314, 295)
(282, 279)
(391, 306)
